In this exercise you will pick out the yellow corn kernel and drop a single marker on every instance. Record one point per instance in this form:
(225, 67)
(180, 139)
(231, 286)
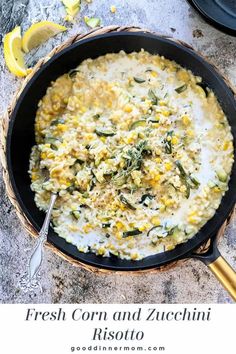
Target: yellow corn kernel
(103, 139)
(155, 221)
(73, 227)
(158, 160)
(61, 127)
(154, 73)
(119, 225)
(168, 166)
(165, 113)
(169, 202)
(34, 177)
(227, 145)
(119, 235)
(192, 220)
(174, 140)
(134, 256)
(183, 75)
(87, 228)
(113, 9)
(89, 136)
(144, 227)
(186, 119)
(216, 189)
(162, 208)
(43, 155)
(128, 108)
(162, 103)
(190, 132)
(101, 251)
(183, 189)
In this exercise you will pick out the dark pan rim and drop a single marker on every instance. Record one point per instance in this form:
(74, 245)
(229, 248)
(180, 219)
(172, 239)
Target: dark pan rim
(211, 20)
(179, 252)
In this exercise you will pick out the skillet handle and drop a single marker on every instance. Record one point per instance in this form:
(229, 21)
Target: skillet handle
(219, 267)
(225, 274)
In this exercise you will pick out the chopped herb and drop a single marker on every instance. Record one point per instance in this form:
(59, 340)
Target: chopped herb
(181, 88)
(134, 232)
(189, 181)
(152, 97)
(167, 142)
(139, 80)
(134, 158)
(105, 225)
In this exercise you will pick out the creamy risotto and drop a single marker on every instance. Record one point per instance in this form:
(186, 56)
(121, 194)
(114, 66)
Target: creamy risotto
(138, 150)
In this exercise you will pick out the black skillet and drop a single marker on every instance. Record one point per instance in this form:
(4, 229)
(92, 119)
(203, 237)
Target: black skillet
(219, 13)
(20, 139)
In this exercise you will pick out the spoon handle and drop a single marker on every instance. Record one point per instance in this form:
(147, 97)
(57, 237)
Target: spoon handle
(30, 279)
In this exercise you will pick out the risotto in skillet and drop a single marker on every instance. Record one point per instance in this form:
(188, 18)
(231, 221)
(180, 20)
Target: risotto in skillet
(138, 150)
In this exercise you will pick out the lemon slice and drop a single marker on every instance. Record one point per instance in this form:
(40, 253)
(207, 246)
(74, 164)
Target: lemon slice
(40, 32)
(13, 53)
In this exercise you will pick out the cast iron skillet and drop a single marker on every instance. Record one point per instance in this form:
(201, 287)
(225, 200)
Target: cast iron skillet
(219, 13)
(20, 139)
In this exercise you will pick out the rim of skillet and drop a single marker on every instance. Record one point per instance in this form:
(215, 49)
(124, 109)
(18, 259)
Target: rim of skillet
(182, 250)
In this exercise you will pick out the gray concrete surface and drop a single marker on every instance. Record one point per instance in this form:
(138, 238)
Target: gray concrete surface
(63, 283)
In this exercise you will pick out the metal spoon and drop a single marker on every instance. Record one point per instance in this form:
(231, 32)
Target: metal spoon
(30, 280)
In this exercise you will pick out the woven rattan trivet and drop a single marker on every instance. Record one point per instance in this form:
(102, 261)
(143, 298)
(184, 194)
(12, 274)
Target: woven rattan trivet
(3, 133)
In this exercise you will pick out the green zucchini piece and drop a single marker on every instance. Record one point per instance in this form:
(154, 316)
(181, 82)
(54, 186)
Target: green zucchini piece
(181, 89)
(53, 142)
(76, 214)
(58, 121)
(105, 132)
(126, 202)
(139, 80)
(92, 22)
(222, 175)
(138, 123)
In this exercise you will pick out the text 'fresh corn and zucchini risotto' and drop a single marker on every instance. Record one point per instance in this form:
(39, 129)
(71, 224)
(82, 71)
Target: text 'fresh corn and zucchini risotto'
(139, 152)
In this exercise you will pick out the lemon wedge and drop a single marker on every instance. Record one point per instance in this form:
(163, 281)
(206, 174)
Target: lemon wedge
(13, 53)
(40, 32)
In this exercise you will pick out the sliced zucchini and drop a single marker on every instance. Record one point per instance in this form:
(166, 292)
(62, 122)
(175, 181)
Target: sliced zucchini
(53, 142)
(58, 121)
(72, 73)
(138, 123)
(181, 89)
(126, 202)
(139, 80)
(105, 132)
(76, 214)
(222, 175)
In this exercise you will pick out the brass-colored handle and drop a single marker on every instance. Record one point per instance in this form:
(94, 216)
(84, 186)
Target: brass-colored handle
(225, 274)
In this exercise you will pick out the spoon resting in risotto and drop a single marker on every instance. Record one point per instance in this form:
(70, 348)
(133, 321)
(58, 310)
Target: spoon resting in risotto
(138, 150)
